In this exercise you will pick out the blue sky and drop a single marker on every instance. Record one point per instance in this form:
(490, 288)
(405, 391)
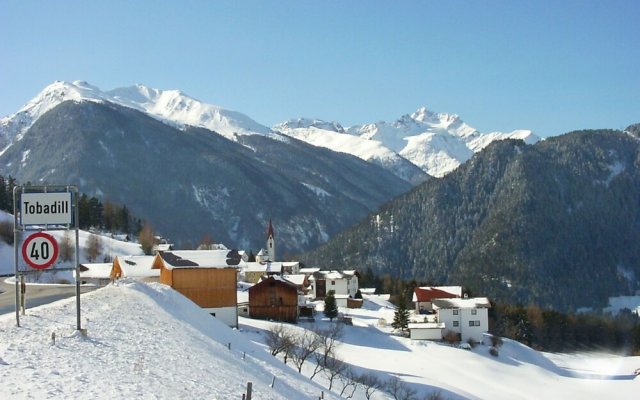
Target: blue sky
(549, 66)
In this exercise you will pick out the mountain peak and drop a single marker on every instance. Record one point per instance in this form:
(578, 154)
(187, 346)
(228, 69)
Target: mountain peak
(297, 123)
(170, 106)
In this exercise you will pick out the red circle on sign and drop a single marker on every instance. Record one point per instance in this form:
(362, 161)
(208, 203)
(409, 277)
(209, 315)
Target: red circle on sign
(36, 247)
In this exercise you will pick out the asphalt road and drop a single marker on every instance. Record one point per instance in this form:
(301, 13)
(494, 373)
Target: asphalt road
(36, 295)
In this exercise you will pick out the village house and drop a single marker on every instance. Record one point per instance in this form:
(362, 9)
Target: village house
(274, 298)
(423, 296)
(206, 277)
(138, 267)
(253, 271)
(98, 274)
(468, 317)
(342, 283)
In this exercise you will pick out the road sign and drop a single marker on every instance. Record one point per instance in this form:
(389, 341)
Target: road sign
(45, 208)
(40, 250)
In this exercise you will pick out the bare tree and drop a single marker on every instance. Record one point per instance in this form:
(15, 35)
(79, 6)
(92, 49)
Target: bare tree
(399, 389)
(307, 343)
(328, 342)
(147, 239)
(6, 231)
(334, 367)
(279, 339)
(66, 248)
(371, 383)
(349, 379)
(93, 247)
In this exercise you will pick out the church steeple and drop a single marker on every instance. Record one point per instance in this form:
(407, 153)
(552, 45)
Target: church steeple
(271, 243)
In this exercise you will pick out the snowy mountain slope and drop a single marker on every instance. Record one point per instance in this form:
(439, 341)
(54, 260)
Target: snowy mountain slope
(202, 183)
(437, 143)
(332, 136)
(169, 106)
(144, 341)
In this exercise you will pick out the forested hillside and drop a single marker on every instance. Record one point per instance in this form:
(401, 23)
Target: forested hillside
(554, 224)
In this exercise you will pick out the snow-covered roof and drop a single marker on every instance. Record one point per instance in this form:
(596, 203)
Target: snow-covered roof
(262, 267)
(333, 274)
(475, 302)
(201, 259)
(138, 266)
(290, 263)
(297, 279)
(95, 270)
(368, 290)
(255, 267)
(426, 325)
(309, 271)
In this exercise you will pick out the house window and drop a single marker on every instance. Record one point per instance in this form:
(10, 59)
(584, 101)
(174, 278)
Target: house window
(477, 323)
(333, 283)
(455, 312)
(471, 323)
(456, 323)
(474, 311)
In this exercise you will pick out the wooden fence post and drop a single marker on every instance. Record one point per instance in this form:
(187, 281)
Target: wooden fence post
(249, 385)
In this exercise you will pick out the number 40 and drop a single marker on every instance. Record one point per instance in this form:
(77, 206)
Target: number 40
(43, 252)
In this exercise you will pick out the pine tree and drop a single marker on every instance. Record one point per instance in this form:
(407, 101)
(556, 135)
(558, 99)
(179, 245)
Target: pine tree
(401, 316)
(330, 306)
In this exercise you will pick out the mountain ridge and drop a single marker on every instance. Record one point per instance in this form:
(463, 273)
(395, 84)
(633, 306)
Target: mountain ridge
(412, 147)
(191, 182)
(553, 224)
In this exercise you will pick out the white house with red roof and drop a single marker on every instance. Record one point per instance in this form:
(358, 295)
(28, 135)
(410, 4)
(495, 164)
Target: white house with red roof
(423, 296)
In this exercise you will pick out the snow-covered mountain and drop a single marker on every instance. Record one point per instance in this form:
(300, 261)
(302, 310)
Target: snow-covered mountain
(333, 136)
(415, 144)
(190, 181)
(437, 143)
(170, 106)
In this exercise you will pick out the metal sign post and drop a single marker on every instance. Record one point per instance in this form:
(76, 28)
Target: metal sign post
(44, 208)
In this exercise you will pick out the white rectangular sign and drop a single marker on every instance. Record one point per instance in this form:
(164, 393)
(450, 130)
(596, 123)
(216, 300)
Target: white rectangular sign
(45, 208)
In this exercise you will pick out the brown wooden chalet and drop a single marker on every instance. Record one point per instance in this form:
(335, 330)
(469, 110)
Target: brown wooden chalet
(206, 277)
(274, 298)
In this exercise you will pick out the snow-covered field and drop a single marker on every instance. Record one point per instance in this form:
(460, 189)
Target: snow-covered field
(147, 341)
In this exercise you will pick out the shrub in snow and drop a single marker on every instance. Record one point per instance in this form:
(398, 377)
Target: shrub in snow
(493, 351)
(451, 337)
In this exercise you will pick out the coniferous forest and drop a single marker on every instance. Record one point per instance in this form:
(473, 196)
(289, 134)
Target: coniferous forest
(555, 224)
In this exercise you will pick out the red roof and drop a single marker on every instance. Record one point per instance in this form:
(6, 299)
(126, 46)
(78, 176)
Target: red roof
(428, 294)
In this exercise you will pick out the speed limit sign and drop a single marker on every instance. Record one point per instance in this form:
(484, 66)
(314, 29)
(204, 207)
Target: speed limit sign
(40, 250)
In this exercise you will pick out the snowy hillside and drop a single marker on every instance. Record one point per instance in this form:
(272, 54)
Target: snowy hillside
(110, 247)
(170, 106)
(148, 341)
(144, 341)
(435, 142)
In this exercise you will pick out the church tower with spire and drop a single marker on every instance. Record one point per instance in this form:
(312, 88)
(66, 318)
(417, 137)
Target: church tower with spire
(271, 243)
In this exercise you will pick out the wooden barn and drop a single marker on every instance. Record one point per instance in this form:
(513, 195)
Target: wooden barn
(206, 277)
(274, 298)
